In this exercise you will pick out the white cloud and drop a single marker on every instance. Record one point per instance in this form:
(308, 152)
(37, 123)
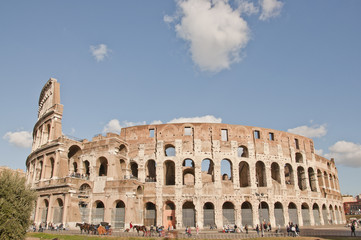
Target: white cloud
(245, 7)
(203, 119)
(115, 126)
(270, 8)
(99, 52)
(346, 153)
(21, 139)
(168, 19)
(216, 33)
(311, 132)
(319, 152)
(155, 122)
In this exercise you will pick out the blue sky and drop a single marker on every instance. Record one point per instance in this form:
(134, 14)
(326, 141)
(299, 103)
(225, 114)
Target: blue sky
(287, 65)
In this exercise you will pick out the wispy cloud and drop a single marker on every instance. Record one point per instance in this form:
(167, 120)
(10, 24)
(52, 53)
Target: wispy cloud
(346, 153)
(115, 126)
(203, 119)
(216, 32)
(99, 52)
(315, 131)
(22, 139)
(270, 9)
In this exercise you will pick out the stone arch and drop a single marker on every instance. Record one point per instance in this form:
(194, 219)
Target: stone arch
(331, 181)
(292, 213)
(208, 215)
(123, 168)
(52, 165)
(228, 213)
(86, 165)
(169, 172)
(301, 178)
(289, 175)
(188, 172)
(118, 214)
(134, 169)
(207, 171)
(75, 167)
(244, 174)
(325, 214)
(98, 212)
(332, 215)
(261, 179)
(242, 151)
(279, 215)
(299, 157)
(316, 214)
(150, 215)
(41, 169)
(151, 171)
(226, 170)
(85, 189)
(275, 172)
(320, 179)
(325, 178)
(247, 214)
(44, 209)
(123, 150)
(169, 216)
(169, 150)
(263, 210)
(312, 179)
(102, 164)
(58, 211)
(305, 214)
(188, 214)
(74, 152)
(139, 191)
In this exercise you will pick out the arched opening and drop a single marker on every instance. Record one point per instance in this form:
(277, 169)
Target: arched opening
(48, 132)
(247, 214)
(74, 153)
(261, 179)
(151, 171)
(312, 179)
(228, 213)
(226, 170)
(208, 215)
(40, 170)
(169, 219)
(292, 213)
(275, 173)
(86, 168)
(279, 216)
(189, 216)
(301, 178)
(134, 169)
(207, 171)
(123, 169)
(169, 150)
(58, 211)
(242, 151)
(331, 182)
(244, 176)
(263, 210)
(299, 158)
(169, 172)
(139, 191)
(52, 167)
(150, 214)
(325, 178)
(75, 167)
(289, 178)
(103, 166)
(188, 172)
(44, 210)
(332, 215)
(305, 214)
(98, 212)
(316, 214)
(118, 215)
(325, 214)
(123, 150)
(85, 189)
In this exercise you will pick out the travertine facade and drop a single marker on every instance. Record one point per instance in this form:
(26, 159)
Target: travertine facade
(178, 174)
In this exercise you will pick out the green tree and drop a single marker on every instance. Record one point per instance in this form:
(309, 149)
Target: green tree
(16, 204)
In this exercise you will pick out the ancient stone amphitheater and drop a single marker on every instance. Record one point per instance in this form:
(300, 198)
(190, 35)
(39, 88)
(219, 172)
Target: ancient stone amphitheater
(178, 175)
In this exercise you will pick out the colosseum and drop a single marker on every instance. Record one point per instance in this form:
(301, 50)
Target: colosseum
(177, 175)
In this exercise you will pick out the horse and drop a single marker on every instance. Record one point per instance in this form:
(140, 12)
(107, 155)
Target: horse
(140, 228)
(82, 227)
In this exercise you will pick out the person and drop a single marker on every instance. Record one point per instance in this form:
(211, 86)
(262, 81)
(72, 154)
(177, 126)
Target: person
(297, 230)
(197, 229)
(288, 229)
(257, 229)
(353, 230)
(131, 226)
(189, 232)
(246, 227)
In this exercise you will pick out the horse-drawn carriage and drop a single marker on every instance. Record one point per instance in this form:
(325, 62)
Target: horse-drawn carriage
(103, 228)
